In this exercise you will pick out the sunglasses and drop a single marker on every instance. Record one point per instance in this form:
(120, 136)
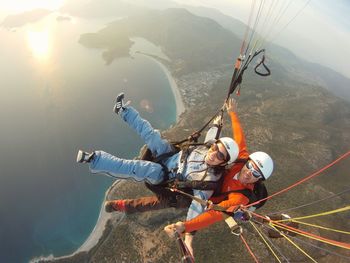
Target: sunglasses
(256, 173)
(219, 155)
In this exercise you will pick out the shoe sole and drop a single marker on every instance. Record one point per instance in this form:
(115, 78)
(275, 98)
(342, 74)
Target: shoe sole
(118, 102)
(80, 156)
(108, 207)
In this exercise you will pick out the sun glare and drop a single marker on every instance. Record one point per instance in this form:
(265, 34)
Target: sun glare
(39, 44)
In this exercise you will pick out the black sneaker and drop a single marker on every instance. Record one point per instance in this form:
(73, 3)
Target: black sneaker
(119, 103)
(115, 205)
(84, 157)
(109, 207)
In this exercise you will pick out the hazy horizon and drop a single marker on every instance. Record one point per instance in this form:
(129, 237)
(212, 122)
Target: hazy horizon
(321, 30)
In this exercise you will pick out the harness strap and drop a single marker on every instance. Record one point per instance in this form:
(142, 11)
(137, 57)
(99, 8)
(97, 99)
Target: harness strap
(164, 156)
(165, 171)
(186, 256)
(198, 185)
(201, 201)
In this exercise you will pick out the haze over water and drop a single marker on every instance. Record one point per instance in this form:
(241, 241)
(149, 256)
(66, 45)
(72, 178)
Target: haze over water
(57, 97)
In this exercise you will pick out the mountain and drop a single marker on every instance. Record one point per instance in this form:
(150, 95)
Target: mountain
(182, 34)
(234, 25)
(310, 72)
(292, 115)
(169, 29)
(331, 80)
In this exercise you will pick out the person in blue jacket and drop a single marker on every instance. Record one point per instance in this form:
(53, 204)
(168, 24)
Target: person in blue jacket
(198, 163)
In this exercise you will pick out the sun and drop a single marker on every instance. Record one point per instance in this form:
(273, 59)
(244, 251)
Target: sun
(39, 44)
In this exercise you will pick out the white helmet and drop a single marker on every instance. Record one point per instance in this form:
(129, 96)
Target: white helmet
(264, 162)
(231, 147)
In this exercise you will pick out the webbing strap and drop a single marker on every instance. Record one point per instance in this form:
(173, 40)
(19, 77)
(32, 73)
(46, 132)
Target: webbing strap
(201, 201)
(186, 256)
(232, 224)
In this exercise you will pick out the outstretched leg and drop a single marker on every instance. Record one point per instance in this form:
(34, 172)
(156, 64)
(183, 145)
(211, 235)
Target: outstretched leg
(139, 170)
(144, 129)
(115, 167)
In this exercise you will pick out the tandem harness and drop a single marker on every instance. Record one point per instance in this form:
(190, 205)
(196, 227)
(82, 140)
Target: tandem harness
(259, 192)
(178, 182)
(186, 186)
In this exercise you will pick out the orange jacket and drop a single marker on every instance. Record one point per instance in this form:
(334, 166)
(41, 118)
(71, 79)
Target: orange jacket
(229, 184)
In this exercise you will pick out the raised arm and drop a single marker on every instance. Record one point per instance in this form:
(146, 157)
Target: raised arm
(237, 130)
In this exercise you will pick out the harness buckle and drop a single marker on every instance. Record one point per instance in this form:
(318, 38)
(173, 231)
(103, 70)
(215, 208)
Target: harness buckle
(234, 227)
(237, 231)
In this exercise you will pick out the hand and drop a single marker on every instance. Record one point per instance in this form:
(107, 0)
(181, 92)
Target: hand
(218, 120)
(172, 228)
(210, 205)
(231, 105)
(242, 215)
(177, 184)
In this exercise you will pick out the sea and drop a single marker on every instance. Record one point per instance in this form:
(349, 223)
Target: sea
(57, 97)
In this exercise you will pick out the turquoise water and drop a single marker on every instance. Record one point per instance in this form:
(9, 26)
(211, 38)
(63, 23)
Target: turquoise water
(51, 107)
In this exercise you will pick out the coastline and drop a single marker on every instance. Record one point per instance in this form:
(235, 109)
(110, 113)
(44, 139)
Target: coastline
(156, 56)
(100, 226)
(104, 217)
(180, 106)
(95, 234)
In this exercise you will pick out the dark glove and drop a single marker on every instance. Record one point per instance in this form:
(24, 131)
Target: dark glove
(241, 215)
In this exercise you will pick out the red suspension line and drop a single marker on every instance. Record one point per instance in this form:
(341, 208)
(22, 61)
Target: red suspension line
(248, 248)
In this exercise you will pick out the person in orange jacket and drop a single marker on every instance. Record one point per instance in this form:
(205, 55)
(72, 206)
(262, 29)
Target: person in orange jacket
(248, 170)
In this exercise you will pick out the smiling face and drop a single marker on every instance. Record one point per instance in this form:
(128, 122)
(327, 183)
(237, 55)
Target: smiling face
(246, 175)
(217, 155)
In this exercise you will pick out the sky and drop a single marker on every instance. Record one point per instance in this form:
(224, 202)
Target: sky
(25, 5)
(320, 33)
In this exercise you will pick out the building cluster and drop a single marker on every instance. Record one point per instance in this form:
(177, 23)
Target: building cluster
(194, 86)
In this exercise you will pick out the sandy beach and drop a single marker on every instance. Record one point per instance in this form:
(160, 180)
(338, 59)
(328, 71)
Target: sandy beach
(180, 106)
(100, 224)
